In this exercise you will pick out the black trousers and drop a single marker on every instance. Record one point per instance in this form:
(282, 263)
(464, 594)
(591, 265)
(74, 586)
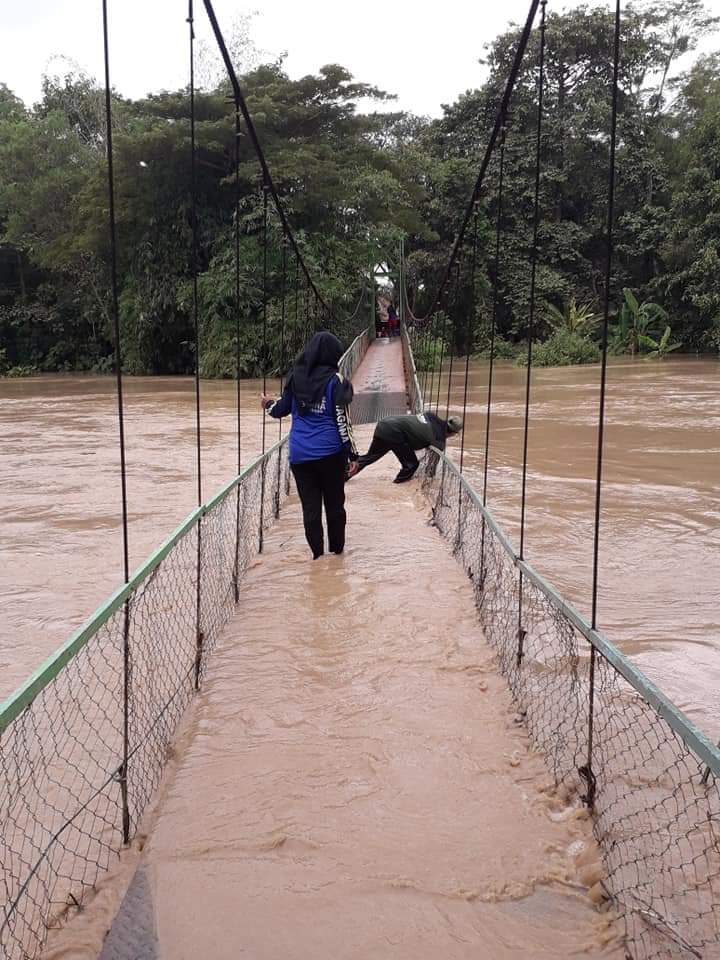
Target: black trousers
(378, 448)
(323, 482)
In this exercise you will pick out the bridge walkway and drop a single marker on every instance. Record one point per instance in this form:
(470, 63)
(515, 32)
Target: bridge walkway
(353, 783)
(379, 382)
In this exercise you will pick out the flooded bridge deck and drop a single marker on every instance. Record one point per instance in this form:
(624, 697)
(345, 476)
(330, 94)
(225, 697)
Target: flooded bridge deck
(353, 782)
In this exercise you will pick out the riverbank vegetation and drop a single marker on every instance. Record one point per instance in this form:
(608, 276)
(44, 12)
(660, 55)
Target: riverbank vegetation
(354, 181)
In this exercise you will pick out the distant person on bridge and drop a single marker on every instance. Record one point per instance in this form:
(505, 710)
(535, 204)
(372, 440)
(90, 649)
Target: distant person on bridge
(404, 435)
(321, 441)
(393, 320)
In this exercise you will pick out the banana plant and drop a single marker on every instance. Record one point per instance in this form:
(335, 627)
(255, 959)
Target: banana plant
(635, 322)
(573, 318)
(659, 349)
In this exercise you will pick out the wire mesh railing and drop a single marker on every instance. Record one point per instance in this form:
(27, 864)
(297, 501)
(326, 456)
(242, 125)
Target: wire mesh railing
(83, 743)
(352, 357)
(653, 781)
(415, 403)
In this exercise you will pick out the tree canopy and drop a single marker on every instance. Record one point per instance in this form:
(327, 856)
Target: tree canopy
(353, 182)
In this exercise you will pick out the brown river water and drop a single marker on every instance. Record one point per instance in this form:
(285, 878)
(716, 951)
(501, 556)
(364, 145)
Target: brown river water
(381, 799)
(660, 528)
(660, 537)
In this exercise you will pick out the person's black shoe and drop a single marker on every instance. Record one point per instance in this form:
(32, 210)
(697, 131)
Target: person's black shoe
(407, 473)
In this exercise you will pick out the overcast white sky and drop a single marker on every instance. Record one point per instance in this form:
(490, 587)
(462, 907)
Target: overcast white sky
(426, 51)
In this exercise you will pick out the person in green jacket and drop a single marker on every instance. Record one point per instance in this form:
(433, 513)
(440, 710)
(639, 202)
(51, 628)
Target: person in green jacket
(404, 435)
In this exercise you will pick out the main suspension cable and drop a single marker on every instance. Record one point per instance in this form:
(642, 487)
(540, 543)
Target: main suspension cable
(587, 772)
(196, 322)
(469, 334)
(115, 307)
(531, 318)
(194, 250)
(453, 335)
(252, 133)
(114, 298)
(237, 283)
(493, 325)
(497, 126)
(264, 305)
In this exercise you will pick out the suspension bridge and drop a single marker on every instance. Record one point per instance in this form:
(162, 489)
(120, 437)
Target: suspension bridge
(289, 854)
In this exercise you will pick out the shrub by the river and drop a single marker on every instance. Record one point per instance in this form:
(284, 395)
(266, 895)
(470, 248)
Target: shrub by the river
(562, 349)
(502, 350)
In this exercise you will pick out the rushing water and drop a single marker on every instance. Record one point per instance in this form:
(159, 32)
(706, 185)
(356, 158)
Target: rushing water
(60, 532)
(660, 533)
(301, 785)
(660, 537)
(352, 781)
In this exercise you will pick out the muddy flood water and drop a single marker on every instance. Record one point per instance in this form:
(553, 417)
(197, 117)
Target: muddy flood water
(660, 538)
(352, 780)
(354, 764)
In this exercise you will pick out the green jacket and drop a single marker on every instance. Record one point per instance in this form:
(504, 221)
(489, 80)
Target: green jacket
(417, 430)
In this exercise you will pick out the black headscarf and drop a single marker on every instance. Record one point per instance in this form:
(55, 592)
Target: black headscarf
(314, 367)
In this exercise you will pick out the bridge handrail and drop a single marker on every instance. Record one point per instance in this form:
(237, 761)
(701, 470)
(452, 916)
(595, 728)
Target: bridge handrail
(14, 704)
(693, 737)
(47, 671)
(650, 776)
(84, 740)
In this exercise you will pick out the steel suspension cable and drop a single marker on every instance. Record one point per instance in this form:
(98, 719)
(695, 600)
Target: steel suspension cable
(296, 323)
(283, 295)
(264, 305)
(237, 286)
(606, 310)
(252, 133)
(431, 353)
(493, 325)
(236, 567)
(453, 335)
(283, 307)
(443, 334)
(356, 311)
(499, 122)
(307, 313)
(194, 249)
(115, 307)
(428, 346)
(196, 324)
(469, 341)
(115, 298)
(263, 468)
(469, 334)
(531, 318)
(587, 772)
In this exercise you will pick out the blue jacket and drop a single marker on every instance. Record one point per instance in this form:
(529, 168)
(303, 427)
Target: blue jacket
(325, 429)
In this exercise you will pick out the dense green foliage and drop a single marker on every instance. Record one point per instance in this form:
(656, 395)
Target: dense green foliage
(563, 347)
(353, 183)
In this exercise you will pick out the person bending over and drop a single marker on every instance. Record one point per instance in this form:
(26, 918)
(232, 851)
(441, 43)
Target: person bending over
(404, 435)
(321, 440)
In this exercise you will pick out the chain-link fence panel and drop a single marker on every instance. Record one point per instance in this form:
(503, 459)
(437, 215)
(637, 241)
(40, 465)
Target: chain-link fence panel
(84, 742)
(606, 732)
(353, 356)
(82, 755)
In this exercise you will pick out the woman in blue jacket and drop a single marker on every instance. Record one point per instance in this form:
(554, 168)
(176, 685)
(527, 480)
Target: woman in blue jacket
(321, 441)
